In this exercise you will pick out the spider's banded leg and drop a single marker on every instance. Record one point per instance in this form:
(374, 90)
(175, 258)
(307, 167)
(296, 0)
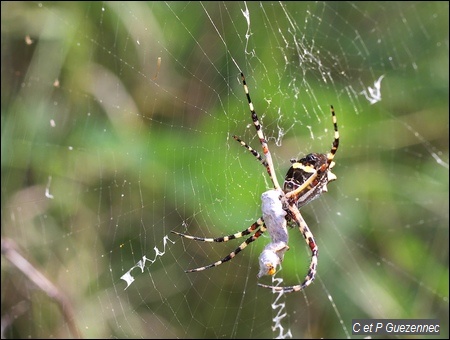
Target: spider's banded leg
(262, 139)
(335, 145)
(227, 258)
(253, 152)
(309, 238)
(249, 230)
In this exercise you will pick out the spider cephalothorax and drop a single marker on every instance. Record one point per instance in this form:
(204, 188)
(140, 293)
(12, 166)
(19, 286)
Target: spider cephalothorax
(305, 180)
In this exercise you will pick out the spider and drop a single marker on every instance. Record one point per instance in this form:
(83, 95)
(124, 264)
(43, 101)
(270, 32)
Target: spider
(305, 180)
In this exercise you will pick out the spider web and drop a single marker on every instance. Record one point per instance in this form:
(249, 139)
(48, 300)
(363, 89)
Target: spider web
(117, 125)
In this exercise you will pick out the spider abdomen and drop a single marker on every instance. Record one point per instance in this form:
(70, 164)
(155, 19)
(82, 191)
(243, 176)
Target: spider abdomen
(301, 170)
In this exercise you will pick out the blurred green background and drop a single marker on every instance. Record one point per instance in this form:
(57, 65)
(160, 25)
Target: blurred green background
(117, 125)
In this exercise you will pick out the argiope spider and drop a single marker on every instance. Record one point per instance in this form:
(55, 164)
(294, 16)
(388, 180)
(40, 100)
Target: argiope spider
(305, 180)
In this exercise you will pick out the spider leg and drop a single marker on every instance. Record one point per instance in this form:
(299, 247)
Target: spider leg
(253, 152)
(335, 145)
(309, 238)
(259, 223)
(262, 139)
(227, 258)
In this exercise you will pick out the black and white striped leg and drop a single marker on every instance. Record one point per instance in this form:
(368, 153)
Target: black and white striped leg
(245, 232)
(253, 152)
(262, 139)
(227, 258)
(335, 145)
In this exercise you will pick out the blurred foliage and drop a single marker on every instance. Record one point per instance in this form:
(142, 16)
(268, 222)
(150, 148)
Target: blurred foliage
(104, 152)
